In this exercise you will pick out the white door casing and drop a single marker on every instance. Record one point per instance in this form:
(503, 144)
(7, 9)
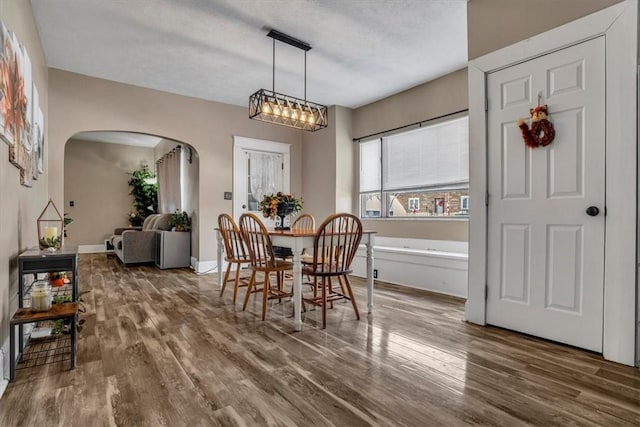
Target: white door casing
(278, 178)
(619, 25)
(545, 258)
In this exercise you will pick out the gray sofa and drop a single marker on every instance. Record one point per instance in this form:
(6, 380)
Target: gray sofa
(135, 245)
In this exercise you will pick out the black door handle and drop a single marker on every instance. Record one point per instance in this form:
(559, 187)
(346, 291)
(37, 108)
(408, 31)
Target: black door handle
(593, 211)
(244, 206)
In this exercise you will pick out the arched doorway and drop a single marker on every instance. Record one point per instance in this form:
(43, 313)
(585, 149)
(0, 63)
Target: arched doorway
(98, 166)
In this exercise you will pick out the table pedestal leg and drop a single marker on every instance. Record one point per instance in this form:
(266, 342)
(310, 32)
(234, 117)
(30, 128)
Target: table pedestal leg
(12, 352)
(219, 261)
(370, 274)
(297, 286)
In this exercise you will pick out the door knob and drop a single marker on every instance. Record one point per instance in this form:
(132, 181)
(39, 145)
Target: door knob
(593, 211)
(244, 206)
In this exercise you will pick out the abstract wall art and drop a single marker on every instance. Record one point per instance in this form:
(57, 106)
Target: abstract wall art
(21, 118)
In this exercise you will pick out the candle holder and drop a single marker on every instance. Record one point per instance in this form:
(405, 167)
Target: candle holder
(50, 228)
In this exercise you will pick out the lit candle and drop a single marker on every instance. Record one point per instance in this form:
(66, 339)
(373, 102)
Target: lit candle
(50, 232)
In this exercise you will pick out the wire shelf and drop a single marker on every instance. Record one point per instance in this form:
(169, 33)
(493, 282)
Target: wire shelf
(46, 350)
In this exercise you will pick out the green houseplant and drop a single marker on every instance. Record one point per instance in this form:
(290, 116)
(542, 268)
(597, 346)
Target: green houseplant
(145, 195)
(180, 221)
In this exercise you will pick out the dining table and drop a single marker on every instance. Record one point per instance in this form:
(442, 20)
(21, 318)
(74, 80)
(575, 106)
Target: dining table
(297, 240)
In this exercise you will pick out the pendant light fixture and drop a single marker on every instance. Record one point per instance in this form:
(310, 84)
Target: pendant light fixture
(270, 106)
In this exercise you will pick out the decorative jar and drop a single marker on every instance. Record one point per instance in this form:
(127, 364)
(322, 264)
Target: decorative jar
(41, 296)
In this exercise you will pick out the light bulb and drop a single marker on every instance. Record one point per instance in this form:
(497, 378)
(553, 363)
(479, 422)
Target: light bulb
(266, 109)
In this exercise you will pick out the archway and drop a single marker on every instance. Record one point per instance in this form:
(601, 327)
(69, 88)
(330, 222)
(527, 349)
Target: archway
(98, 166)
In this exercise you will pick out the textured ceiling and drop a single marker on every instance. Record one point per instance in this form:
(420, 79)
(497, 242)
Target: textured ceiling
(363, 50)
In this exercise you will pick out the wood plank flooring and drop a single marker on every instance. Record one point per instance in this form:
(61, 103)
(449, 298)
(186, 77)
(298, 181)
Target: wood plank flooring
(160, 347)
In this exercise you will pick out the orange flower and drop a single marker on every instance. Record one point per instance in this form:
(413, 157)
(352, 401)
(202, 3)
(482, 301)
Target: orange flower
(269, 204)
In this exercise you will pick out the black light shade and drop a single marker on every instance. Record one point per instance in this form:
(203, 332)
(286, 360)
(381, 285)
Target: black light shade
(286, 110)
(273, 107)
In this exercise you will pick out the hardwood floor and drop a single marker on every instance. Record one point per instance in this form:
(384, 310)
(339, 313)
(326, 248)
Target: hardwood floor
(160, 347)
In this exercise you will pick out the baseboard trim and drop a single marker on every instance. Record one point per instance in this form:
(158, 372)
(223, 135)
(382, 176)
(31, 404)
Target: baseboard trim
(4, 365)
(91, 249)
(204, 267)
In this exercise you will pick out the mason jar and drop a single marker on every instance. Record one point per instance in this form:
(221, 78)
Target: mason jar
(41, 296)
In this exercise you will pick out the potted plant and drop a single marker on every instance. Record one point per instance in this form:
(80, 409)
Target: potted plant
(279, 205)
(144, 190)
(180, 221)
(58, 278)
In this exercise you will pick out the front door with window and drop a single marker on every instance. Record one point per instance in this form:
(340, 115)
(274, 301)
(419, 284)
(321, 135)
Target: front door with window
(260, 168)
(546, 230)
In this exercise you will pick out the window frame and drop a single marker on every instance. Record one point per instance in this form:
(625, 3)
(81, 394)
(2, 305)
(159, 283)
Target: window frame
(385, 195)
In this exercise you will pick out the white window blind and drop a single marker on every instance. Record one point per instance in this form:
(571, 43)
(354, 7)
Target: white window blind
(433, 156)
(370, 166)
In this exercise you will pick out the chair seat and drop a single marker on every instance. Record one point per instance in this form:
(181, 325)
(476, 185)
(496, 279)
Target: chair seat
(327, 272)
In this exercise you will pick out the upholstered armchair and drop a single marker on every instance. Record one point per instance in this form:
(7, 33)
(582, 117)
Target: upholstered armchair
(135, 245)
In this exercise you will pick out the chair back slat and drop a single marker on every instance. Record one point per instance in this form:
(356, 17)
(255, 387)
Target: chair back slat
(234, 246)
(258, 242)
(304, 222)
(335, 244)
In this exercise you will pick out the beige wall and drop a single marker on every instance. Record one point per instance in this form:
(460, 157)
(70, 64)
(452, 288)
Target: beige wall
(319, 172)
(346, 199)
(21, 206)
(445, 95)
(82, 103)
(95, 178)
(494, 24)
(432, 99)
(328, 172)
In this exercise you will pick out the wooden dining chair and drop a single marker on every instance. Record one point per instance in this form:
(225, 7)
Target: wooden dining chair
(236, 253)
(335, 245)
(263, 261)
(304, 221)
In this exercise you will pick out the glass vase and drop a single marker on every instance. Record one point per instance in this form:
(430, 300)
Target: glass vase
(284, 210)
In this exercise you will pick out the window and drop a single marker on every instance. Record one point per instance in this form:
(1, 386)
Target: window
(464, 203)
(418, 173)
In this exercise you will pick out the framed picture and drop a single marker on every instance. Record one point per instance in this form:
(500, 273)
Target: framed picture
(37, 136)
(11, 116)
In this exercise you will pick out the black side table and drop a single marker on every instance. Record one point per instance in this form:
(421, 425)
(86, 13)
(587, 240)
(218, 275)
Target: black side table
(25, 315)
(34, 261)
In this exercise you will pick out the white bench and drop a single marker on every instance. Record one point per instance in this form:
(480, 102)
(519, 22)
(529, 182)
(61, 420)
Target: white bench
(434, 265)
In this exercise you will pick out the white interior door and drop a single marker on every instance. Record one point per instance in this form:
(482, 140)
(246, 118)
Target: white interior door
(545, 255)
(259, 167)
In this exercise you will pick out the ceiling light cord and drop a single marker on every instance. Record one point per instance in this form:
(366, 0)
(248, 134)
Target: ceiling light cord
(273, 70)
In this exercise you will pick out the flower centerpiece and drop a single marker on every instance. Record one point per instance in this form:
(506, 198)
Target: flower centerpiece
(279, 205)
